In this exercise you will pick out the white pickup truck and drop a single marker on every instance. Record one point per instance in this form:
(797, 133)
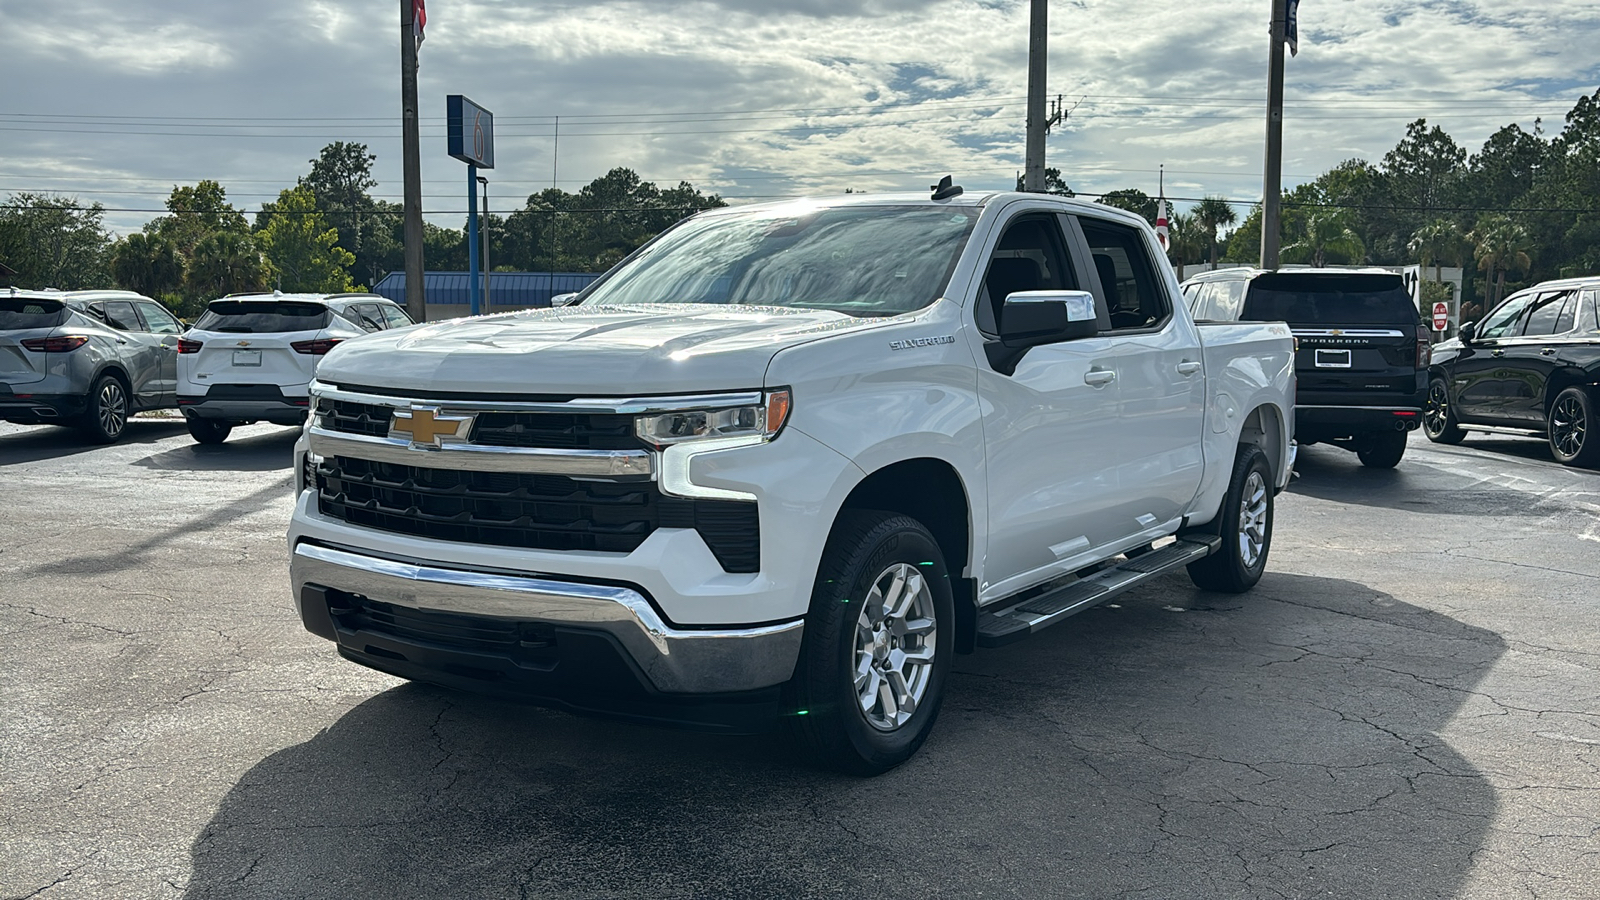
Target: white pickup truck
(785, 461)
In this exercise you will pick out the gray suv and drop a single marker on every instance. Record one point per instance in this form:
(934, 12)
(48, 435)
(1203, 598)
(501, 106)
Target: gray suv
(85, 358)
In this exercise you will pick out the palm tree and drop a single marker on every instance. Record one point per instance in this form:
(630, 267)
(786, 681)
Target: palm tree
(1437, 242)
(147, 263)
(1211, 214)
(1185, 241)
(1325, 231)
(1501, 245)
(226, 262)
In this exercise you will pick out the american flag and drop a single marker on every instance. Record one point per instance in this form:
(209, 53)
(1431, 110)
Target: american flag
(419, 18)
(1161, 223)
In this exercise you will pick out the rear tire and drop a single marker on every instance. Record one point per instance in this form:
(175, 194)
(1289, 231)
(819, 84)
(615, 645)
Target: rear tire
(209, 431)
(106, 415)
(1438, 419)
(1383, 450)
(1571, 429)
(1245, 526)
(879, 639)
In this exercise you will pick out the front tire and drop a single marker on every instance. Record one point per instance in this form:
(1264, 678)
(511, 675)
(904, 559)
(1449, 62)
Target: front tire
(1571, 429)
(106, 415)
(1439, 420)
(1383, 450)
(1245, 526)
(879, 640)
(208, 431)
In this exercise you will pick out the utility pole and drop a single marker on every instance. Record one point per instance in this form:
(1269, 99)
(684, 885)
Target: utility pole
(1273, 180)
(1038, 124)
(484, 183)
(416, 300)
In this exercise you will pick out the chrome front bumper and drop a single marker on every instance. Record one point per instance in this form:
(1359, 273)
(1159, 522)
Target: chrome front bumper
(677, 661)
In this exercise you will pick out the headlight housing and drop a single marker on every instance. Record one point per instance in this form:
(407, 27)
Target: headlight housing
(762, 421)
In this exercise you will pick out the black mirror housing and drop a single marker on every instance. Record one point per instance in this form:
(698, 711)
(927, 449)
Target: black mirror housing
(1468, 332)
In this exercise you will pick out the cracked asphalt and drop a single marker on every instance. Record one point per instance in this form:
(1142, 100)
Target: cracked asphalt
(1404, 707)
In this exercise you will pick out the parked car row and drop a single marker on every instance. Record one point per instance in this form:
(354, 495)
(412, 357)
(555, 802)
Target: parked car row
(91, 359)
(1367, 375)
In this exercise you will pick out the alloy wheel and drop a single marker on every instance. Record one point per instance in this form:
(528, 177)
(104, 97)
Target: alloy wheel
(1567, 426)
(112, 408)
(896, 635)
(1437, 415)
(1252, 520)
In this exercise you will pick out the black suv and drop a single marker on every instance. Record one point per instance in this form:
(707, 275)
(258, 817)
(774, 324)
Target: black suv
(1362, 362)
(1530, 367)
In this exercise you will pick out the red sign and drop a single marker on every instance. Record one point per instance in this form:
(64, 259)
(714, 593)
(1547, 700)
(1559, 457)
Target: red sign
(1441, 316)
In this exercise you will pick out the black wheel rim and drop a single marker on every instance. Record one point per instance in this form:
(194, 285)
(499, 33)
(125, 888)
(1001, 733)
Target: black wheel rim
(1437, 415)
(1567, 426)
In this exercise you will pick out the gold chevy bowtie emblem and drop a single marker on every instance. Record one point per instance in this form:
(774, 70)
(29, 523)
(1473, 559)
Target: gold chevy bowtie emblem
(244, 343)
(423, 426)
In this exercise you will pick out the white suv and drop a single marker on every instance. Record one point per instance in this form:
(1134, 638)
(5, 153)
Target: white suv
(249, 358)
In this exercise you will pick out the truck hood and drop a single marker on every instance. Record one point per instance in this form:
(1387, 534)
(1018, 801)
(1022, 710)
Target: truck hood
(586, 350)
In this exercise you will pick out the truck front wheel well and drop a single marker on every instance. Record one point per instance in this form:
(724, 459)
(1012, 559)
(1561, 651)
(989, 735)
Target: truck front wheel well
(930, 491)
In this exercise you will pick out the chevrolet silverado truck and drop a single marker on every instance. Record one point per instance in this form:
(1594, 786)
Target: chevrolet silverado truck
(785, 461)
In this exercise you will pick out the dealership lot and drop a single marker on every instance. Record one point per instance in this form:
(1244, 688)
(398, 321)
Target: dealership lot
(1405, 706)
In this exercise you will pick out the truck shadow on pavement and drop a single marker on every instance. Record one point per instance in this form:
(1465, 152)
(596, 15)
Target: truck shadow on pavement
(1177, 744)
(36, 442)
(252, 453)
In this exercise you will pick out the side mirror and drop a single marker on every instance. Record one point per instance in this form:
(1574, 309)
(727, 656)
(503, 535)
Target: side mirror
(1468, 332)
(563, 299)
(1035, 318)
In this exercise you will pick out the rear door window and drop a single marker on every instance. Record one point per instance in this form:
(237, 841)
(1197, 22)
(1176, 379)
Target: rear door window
(1547, 315)
(29, 312)
(263, 317)
(1329, 299)
(1130, 291)
(119, 314)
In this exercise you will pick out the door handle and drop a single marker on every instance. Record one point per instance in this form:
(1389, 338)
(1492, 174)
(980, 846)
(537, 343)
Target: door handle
(122, 340)
(1099, 377)
(1188, 367)
(1548, 351)
(1499, 353)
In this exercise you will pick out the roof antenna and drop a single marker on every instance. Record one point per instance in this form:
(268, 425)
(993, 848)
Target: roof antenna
(944, 190)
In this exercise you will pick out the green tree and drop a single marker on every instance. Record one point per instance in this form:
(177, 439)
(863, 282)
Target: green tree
(196, 213)
(303, 251)
(1325, 232)
(228, 262)
(1501, 246)
(1212, 214)
(1437, 243)
(147, 263)
(1185, 241)
(1053, 183)
(591, 230)
(340, 178)
(1133, 200)
(55, 241)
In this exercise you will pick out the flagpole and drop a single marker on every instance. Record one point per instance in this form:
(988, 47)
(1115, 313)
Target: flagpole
(410, 141)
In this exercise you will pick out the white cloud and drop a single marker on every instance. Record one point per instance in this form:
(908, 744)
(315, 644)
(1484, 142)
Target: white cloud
(755, 98)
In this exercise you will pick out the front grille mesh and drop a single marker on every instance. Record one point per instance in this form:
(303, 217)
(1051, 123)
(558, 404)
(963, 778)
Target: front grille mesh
(545, 512)
(346, 417)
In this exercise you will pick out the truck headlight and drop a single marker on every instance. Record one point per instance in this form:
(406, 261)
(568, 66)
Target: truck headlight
(762, 421)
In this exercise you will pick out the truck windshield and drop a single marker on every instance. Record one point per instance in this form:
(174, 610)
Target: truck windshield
(1301, 298)
(857, 260)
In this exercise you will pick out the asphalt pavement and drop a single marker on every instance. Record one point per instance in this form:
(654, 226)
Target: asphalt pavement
(1404, 707)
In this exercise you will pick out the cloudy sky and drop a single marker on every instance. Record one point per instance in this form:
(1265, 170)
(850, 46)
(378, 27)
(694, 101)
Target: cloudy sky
(118, 101)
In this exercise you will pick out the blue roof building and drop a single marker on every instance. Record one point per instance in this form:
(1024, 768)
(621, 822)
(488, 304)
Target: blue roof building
(448, 296)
